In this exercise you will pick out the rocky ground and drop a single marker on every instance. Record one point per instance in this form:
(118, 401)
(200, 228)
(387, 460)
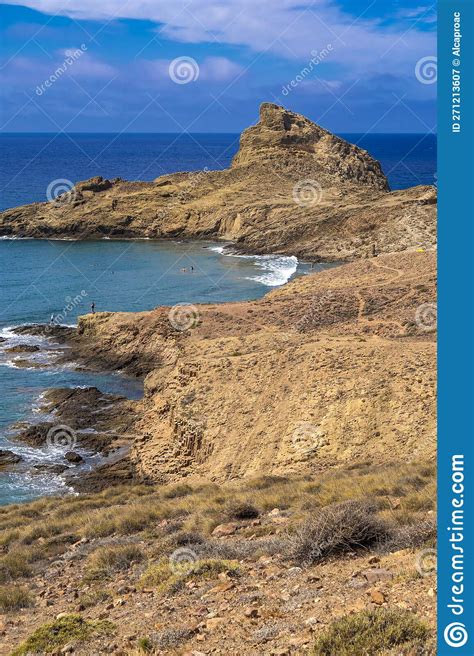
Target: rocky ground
(335, 367)
(241, 569)
(293, 188)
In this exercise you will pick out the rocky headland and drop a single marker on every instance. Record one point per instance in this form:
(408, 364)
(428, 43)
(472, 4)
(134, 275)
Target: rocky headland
(293, 188)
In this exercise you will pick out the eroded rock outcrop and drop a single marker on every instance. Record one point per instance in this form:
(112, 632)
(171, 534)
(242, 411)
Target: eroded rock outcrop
(334, 368)
(293, 188)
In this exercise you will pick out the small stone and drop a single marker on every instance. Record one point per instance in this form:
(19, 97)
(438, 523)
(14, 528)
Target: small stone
(377, 574)
(280, 651)
(376, 596)
(213, 623)
(252, 612)
(275, 512)
(60, 616)
(72, 456)
(224, 529)
(293, 571)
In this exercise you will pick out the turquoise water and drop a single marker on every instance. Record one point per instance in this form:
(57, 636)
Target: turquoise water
(62, 278)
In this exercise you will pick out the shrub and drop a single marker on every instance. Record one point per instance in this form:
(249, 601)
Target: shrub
(369, 633)
(15, 564)
(337, 528)
(51, 637)
(14, 597)
(411, 536)
(241, 510)
(107, 560)
(93, 597)
(180, 490)
(145, 645)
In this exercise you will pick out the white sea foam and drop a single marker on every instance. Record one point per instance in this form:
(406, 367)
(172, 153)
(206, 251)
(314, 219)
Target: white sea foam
(272, 270)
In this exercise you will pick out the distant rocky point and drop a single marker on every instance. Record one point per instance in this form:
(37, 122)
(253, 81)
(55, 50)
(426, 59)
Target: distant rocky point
(293, 188)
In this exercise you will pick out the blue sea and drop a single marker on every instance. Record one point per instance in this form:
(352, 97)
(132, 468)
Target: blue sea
(62, 278)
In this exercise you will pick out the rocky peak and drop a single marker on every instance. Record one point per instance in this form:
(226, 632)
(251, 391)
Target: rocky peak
(293, 140)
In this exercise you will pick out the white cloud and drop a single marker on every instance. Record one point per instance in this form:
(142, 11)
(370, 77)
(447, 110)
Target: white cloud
(288, 28)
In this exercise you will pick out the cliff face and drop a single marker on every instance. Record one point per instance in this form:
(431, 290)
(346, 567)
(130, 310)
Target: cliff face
(329, 370)
(293, 188)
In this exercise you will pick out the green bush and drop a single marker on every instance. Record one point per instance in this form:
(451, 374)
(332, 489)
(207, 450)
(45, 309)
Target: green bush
(370, 633)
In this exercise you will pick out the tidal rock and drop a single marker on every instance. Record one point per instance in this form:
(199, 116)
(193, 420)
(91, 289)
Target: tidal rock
(23, 348)
(9, 457)
(73, 457)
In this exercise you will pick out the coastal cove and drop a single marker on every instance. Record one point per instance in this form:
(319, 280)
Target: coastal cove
(61, 279)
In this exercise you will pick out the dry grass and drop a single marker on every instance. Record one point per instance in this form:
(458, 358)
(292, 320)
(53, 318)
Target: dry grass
(168, 578)
(41, 530)
(14, 597)
(107, 561)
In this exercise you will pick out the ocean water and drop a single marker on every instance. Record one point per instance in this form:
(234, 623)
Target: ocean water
(39, 279)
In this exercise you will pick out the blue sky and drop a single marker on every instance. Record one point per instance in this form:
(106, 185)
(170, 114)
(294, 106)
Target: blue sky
(204, 66)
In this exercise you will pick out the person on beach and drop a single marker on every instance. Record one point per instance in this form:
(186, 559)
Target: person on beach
(93, 307)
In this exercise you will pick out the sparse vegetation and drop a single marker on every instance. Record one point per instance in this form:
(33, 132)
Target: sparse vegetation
(55, 635)
(339, 528)
(241, 510)
(14, 597)
(373, 633)
(169, 579)
(122, 538)
(106, 561)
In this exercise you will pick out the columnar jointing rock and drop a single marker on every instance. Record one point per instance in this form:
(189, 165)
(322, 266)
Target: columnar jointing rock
(293, 188)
